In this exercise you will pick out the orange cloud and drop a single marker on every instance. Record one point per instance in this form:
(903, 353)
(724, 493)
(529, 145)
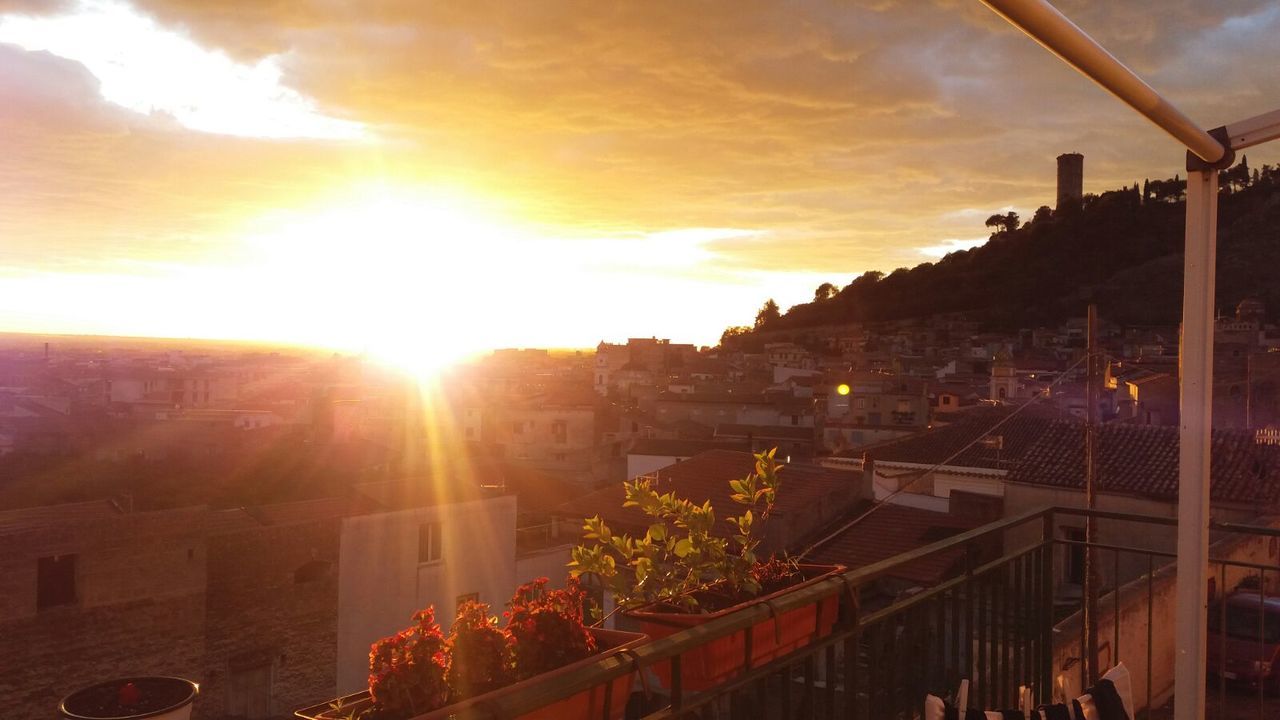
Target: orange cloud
(843, 135)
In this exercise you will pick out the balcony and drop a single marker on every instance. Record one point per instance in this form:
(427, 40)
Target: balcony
(1009, 617)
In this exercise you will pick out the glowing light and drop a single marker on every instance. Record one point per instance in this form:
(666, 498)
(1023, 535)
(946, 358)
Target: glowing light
(842, 389)
(147, 69)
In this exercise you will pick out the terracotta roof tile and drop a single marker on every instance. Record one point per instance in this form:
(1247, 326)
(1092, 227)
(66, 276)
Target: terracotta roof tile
(892, 530)
(937, 445)
(1143, 460)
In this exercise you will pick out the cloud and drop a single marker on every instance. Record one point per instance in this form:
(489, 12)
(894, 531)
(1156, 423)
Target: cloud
(951, 245)
(151, 70)
(845, 136)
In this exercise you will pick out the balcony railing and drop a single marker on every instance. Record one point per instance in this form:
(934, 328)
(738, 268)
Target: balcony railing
(1008, 617)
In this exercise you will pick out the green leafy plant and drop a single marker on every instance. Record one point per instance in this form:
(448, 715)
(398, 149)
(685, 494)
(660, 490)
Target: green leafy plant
(680, 554)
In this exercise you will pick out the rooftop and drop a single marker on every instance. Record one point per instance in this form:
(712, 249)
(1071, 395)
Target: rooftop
(1143, 460)
(705, 477)
(892, 530)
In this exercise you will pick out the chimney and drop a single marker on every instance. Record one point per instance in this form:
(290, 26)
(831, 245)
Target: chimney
(1070, 180)
(868, 477)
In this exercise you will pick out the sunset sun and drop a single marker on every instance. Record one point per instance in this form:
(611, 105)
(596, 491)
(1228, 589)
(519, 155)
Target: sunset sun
(407, 276)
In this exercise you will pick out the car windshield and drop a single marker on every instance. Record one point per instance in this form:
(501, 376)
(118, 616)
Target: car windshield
(1242, 623)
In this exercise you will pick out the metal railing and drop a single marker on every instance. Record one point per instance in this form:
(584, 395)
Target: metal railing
(1005, 618)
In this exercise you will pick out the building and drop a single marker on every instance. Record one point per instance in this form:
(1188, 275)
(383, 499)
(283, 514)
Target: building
(744, 408)
(659, 358)
(793, 443)
(648, 456)
(868, 407)
(268, 608)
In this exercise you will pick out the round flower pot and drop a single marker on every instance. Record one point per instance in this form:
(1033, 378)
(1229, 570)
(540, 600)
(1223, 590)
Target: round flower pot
(156, 697)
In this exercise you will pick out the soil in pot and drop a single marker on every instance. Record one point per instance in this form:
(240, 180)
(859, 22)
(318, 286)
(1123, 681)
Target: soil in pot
(128, 697)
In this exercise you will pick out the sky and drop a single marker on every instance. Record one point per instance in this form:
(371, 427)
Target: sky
(431, 178)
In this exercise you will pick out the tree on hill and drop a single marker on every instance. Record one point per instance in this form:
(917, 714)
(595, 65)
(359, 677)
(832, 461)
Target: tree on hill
(768, 314)
(732, 333)
(1118, 248)
(1006, 223)
(825, 291)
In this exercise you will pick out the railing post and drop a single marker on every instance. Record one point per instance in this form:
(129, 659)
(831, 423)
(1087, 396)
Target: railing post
(1196, 405)
(1045, 681)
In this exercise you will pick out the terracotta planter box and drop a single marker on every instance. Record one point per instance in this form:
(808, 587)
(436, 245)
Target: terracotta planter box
(725, 658)
(588, 703)
(155, 697)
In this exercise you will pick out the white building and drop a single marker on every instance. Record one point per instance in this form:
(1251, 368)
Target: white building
(393, 564)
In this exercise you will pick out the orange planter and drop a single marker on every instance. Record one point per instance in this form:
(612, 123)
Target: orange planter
(725, 658)
(588, 703)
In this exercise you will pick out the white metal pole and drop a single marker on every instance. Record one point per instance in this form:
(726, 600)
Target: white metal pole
(1065, 39)
(1195, 423)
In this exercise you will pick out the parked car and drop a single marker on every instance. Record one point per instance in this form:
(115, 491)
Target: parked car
(1251, 640)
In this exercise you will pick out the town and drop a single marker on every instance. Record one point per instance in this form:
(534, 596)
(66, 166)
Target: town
(224, 497)
(639, 361)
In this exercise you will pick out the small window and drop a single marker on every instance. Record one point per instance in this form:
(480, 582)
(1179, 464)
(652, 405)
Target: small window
(560, 431)
(56, 581)
(517, 427)
(465, 597)
(429, 543)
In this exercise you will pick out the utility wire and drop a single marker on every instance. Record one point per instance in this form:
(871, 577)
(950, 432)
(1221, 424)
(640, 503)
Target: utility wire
(925, 471)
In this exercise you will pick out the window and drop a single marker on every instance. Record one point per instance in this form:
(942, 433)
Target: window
(430, 542)
(904, 406)
(1000, 392)
(560, 431)
(517, 427)
(1074, 562)
(465, 597)
(860, 403)
(470, 432)
(55, 581)
(946, 399)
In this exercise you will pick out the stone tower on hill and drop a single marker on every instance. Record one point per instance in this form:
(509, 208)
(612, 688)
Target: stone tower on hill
(1070, 179)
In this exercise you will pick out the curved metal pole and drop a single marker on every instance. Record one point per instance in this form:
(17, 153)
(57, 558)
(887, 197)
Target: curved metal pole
(1065, 39)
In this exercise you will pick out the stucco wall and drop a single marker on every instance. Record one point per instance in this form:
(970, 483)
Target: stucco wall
(1133, 627)
(381, 583)
(638, 465)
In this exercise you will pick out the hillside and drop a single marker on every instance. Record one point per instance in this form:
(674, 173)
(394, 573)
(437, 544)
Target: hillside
(1122, 249)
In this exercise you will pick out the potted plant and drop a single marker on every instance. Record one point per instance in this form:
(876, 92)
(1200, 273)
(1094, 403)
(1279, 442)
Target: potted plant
(157, 698)
(420, 673)
(683, 573)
